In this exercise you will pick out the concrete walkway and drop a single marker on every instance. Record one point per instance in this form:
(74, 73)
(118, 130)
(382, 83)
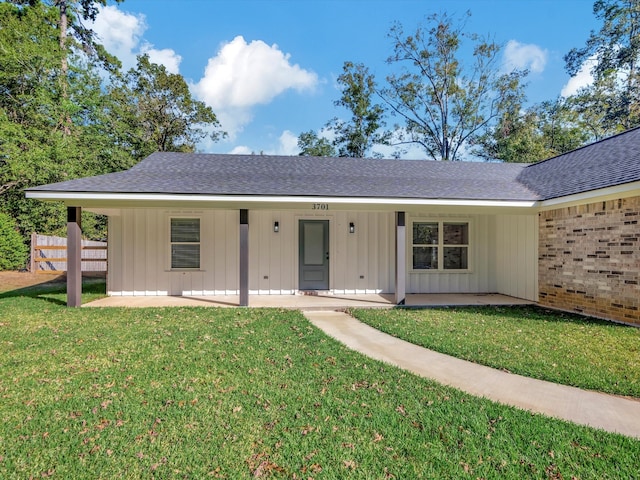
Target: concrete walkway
(607, 412)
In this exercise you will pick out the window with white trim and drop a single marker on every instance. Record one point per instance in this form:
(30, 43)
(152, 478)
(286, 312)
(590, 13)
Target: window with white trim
(185, 243)
(439, 245)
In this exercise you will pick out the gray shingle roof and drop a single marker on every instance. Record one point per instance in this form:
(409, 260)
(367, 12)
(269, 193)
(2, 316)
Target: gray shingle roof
(606, 163)
(221, 174)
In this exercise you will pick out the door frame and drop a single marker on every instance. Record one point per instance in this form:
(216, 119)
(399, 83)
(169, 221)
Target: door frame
(329, 271)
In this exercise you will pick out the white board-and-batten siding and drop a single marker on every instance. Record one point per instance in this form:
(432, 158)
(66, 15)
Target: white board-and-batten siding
(139, 241)
(502, 256)
(517, 256)
(362, 262)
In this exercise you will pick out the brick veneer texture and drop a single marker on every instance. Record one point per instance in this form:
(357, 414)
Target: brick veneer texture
(589, 259)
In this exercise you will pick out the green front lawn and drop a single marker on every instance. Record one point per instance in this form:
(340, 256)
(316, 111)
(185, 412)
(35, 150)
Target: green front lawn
(249, 393)
(530, 341)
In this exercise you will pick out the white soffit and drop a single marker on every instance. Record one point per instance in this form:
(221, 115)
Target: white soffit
(149, 199)
(611, 193)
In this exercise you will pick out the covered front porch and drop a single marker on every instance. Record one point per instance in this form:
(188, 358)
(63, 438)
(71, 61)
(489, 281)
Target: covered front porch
(312, 302)
(254, 257)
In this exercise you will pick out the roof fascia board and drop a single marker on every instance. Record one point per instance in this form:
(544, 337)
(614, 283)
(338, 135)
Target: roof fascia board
(610, 193)
(82, 197)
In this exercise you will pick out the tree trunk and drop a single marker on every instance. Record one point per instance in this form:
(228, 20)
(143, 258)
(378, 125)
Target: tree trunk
(64, 65)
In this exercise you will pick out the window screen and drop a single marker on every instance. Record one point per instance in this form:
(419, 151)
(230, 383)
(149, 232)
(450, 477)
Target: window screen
(185, 243)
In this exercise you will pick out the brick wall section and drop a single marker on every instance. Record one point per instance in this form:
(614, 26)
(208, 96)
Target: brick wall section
(589, 259)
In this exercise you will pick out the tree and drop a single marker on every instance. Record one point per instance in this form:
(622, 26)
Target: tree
(13, 251)
(160, 112)
(35, 146)
(356, 137)
(515, 139)
(311, 145)
(445, 105)
(534, 134)
(614, 52)
(515, 136)
(72, 12)
(29, 99)
(561, 126)
(591, 107)
(110, 120)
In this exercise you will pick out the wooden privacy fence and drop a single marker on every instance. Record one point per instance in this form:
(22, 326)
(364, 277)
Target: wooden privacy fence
(49, 255)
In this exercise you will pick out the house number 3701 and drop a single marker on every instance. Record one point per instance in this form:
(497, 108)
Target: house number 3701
(320, 206)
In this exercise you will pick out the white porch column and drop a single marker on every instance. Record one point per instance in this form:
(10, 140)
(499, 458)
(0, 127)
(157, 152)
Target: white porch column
(244, 257)
(74, 256)
(401, 259)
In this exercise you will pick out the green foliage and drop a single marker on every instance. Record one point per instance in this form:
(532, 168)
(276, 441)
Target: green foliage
(252, 393)
(444, 103)
(562, 127)
(29, 110)
(513, 140)
(311, 145)
(592, 107)
(357, 136)
(608, 106)
(13, 251)
(35, 147)
(158, 112)
(527, 136)
(67, 112)
(85, 10)
(530, 341)
(614, 55)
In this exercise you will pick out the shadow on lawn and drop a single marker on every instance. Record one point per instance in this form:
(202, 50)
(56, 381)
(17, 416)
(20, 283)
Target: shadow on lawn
(536, 313)
(55, 291)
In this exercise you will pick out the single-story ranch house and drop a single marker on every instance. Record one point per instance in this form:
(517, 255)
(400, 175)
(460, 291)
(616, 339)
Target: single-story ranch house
(563, 232)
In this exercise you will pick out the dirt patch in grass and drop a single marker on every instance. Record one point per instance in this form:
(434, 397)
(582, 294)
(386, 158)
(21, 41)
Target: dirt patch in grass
(13, 280)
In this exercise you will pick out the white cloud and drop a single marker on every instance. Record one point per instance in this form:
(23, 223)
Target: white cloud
(288, 144)
(239, 77)
(241, 150)
(243, 75)
(167, 57)
(580, 80)
(524, 56)
(121, 34)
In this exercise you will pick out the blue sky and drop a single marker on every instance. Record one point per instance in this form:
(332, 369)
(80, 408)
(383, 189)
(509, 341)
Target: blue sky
(268, 67)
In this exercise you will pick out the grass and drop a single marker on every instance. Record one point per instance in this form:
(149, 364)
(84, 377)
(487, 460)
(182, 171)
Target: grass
(530, 341)
(251, 393)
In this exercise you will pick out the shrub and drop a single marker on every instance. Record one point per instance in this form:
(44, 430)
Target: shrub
(13, 251)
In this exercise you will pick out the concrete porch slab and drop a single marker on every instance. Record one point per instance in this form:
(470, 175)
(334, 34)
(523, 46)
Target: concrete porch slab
(309, 302)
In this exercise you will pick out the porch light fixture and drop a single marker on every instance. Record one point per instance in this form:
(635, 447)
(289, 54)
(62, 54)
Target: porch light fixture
(352, 227)
(276, 227)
